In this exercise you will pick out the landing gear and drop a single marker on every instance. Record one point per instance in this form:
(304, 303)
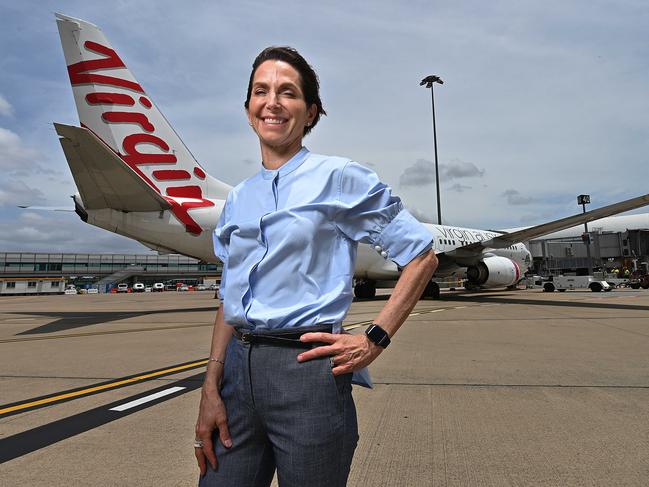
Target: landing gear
(365, 289)
(469, 286)
(431, 290)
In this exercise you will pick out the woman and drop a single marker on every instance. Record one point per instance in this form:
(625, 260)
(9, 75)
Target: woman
(277, 391)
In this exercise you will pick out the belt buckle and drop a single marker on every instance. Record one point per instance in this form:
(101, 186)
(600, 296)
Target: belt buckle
(246, 337)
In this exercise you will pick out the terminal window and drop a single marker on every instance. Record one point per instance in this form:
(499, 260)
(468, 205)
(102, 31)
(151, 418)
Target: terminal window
(11, 285)
(31, 284)
(54, 284)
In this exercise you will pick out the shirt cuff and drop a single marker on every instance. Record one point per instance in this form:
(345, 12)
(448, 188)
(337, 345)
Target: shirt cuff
(403, 239)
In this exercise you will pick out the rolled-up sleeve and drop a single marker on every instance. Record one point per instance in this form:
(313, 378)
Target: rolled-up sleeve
(222, 243)
(368, 212)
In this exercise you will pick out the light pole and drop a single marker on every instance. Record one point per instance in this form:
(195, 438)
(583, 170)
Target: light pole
(583, 200)
(428, 81)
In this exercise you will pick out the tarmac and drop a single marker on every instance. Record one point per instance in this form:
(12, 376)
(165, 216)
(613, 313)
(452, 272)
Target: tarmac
(507, 388)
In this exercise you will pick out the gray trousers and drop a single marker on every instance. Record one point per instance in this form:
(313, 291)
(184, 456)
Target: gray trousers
(294, 417)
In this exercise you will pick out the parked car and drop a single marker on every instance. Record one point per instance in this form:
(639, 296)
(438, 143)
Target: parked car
(214, 287)
(92, 290)
(138, 287)
(123, 288)
(182, 288)
(148, 289)
(158, 287)
(70, 289)
(201, 287)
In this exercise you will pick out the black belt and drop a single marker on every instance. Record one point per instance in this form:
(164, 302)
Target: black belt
(282, 336)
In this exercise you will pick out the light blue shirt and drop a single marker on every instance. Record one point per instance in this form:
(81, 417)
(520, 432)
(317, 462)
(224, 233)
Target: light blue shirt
(288, 240)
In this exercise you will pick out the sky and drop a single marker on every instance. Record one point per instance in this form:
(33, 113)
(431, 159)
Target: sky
(541, 101)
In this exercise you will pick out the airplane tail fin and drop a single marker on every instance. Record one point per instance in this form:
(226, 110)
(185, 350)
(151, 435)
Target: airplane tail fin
(114, 106)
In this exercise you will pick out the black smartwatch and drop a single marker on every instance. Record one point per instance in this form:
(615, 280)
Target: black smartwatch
(378, 335)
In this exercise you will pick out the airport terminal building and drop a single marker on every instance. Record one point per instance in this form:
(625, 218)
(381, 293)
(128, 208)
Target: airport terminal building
(43, 273)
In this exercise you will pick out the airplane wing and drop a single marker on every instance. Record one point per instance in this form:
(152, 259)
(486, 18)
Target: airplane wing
(506, 239)
(103, 180)
(45, 208)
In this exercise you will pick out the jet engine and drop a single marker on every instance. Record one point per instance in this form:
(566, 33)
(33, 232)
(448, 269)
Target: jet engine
(494, 272)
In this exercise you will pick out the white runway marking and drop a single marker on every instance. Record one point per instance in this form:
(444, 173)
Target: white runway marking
(142, 400)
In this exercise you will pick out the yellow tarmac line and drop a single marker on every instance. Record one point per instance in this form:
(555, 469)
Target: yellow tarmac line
(131, 380)
(102, 387)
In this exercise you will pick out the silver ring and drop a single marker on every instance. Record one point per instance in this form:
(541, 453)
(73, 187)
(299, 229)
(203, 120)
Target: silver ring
(198, 443)
(331, 361)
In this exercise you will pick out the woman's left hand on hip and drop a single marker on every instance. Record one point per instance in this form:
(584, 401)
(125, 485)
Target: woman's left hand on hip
(349, 352)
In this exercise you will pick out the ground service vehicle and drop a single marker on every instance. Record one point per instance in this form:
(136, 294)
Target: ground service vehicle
(122, 288)
(561, 283)
(138, 287)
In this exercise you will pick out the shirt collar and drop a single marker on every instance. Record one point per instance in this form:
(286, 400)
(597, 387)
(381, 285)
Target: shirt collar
(288, 167)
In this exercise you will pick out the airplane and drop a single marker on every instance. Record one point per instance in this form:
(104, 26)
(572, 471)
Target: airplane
(136, 178)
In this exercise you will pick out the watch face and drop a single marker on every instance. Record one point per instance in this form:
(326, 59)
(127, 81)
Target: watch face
(378, 335)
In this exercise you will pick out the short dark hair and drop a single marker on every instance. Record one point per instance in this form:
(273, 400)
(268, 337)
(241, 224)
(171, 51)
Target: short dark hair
(308, 77)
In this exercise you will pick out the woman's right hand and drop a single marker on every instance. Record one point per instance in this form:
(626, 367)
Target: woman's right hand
(211, 416)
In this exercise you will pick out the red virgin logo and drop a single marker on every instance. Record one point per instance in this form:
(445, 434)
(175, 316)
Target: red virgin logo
(82, 73)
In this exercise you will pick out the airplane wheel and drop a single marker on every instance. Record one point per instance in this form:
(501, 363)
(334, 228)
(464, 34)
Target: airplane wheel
(470, 286)
(431, 290)
(365, 290)
(548, 287)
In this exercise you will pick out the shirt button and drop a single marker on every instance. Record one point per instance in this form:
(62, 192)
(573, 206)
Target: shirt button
(378, 248)
(384, 254)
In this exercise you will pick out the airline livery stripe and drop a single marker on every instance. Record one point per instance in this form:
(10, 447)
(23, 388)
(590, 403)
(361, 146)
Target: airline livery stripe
(109, 99)
(171, 174)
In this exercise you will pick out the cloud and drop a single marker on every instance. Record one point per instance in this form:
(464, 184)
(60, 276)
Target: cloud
(515, 198)
(14, 156)
(5, 107)
(60, 232)
(457, 169)
(420, 173)
(13, 193)
(459, 188)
